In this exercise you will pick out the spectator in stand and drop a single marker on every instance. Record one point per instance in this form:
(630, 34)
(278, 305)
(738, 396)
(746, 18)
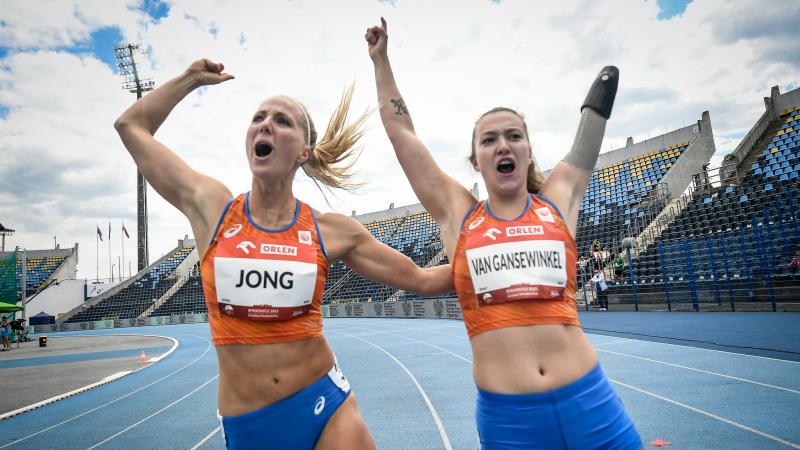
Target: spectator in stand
(795, 263)
(598, 253)
(619, 266)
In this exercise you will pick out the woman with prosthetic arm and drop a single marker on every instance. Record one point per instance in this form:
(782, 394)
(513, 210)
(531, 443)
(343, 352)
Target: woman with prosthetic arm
(264, 259)
(513, 260)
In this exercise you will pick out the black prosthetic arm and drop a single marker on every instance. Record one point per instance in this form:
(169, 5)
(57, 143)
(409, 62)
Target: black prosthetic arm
(595, 111)
(601, 94)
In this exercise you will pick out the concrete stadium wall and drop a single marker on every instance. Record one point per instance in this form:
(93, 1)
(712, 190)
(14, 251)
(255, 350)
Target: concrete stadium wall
(392, 213)
(65, 252)
(693, 158)
(773, 105)
(57, 299)
(67, 269)
(632, 150)
(187, 264)
(123, 323)
(785, 101)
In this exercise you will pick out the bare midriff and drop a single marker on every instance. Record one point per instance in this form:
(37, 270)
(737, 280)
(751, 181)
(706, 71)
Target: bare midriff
(252, 376)
(531, 359)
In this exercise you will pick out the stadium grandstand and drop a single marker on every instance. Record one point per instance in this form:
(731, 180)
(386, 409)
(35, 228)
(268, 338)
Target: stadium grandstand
(143, 293)
(41, 268)
(699, 238)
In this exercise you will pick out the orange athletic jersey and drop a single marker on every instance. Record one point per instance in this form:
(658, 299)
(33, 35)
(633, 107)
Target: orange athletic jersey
(264, 286)
(515, 272)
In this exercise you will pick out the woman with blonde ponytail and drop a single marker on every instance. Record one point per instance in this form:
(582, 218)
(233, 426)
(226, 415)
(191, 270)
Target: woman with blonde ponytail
(264, 259)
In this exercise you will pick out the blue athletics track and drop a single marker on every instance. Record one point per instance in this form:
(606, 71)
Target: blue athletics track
(689, 380)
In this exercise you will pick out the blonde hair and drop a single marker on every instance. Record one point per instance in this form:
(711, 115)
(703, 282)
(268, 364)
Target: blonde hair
(332, 158)
(535, 177)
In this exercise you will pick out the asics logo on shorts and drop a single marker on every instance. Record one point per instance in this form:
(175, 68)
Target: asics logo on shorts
(320, 405)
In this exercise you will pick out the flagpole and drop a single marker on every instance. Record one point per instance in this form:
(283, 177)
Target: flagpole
(97, 259)
(122, 242)
(110, 274)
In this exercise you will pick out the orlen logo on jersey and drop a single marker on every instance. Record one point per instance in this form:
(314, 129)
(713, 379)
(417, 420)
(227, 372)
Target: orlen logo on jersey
(231, 232)
(491, 232)
(245, 246)
(524, 230)
(304, 236)
(274, 249)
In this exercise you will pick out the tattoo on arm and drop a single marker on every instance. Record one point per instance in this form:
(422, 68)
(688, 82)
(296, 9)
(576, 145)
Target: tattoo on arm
(399, 107)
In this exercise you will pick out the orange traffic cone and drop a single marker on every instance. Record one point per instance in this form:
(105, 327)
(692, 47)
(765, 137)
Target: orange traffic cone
(142, 358)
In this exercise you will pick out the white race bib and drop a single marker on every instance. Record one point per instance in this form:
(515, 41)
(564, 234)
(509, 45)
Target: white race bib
(528, 269)
(264, 280)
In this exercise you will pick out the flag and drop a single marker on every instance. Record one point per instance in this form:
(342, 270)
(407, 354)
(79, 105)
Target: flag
(99, 233)
(125, 231)
(109, 231)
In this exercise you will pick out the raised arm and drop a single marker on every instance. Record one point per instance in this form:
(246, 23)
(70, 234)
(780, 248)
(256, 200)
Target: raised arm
(199, 197)
(347, 240)
(445, 199)
(568, 181)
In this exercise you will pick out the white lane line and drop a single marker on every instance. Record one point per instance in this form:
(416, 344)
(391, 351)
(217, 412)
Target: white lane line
(620, 341)
(417, 340)
(700, 411)
(205, 439)
(713, 416)
(154, 414)
(105, 380)
(745, 380)
(439, 425)
(115, 400)
(700, 348)
(114, 376)
(430, 331)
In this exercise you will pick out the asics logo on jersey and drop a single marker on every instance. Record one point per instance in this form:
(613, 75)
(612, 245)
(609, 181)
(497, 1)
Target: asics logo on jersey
(230, 232)
(491, 232)
(245, 246)
(475, 223)
(320, 405)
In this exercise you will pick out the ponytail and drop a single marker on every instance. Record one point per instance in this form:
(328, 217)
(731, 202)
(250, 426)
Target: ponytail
(332, 158)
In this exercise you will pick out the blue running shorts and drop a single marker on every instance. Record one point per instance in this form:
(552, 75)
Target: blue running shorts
(586, 414)
(295, 422)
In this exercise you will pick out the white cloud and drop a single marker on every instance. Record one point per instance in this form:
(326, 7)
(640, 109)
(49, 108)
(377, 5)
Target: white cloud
(64, 168)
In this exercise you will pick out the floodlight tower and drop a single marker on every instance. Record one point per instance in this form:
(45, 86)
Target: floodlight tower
(5, 232)
(132, 83)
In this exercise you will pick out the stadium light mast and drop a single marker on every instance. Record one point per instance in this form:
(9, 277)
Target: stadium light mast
(126, 63)
(5, 232)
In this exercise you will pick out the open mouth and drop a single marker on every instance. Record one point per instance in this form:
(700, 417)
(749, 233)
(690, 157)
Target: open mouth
(263, 149)
(506, 166)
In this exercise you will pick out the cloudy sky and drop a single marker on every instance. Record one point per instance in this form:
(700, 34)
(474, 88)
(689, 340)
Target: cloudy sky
(63, 169)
